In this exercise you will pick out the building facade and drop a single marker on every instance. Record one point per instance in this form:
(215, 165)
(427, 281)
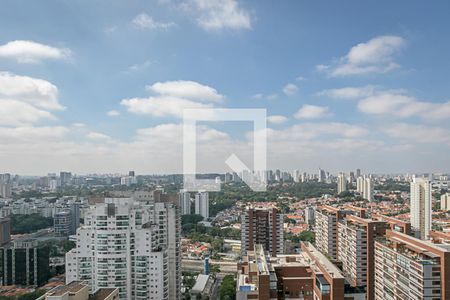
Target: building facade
(262, 226)
(129, 245)
(202, 204)
(421, 207)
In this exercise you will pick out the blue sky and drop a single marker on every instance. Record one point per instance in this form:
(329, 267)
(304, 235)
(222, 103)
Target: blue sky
(98, 86)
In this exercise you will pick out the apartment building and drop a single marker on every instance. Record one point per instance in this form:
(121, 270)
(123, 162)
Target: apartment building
(356, 250)
(129, 245)
(326, 228)
(262, 226)
(308, 275)
(408, 268)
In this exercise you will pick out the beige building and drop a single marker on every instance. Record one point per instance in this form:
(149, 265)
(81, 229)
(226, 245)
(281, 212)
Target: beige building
(79, 290)
(445, 201)
(410, 268)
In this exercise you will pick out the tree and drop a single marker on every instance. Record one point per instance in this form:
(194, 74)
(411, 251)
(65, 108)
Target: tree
(227, 290)
(307, 236)
(29, 223)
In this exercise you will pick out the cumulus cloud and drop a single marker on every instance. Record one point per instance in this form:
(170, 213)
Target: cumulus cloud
(375, 56)
(32, 52)
(214, 15)
(145, 21)
(276, 119)
(16, 113)
(290, 89)
(308, 111)
(37, 92)
(186, 89)
(402, 105)
(161, 106)
(349, 93)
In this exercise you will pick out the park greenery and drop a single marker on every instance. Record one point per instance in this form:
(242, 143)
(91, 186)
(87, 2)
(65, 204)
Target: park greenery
(227, 290)
(29, 223)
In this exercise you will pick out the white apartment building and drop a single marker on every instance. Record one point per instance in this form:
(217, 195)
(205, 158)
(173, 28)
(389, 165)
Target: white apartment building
(202, 204)
(364, 186)
(341, 183)
(421, 207)
(184, 202)
(131, 246)
(326, 230)
(445, 201)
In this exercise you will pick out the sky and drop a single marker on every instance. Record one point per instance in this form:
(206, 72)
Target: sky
(100, 86)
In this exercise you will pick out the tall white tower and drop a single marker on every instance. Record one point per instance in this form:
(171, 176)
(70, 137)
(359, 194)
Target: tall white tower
(202, 204)
(184, 203)
(421, 206)
(341, 183)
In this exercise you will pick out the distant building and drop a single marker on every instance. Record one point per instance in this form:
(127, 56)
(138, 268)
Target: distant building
(62, 223)
(322, 176)
(202, 204)
(184, 198)
(421, 207)
(24, 262)
(75, 211)
(5, 231)
(310, 216)
(445, 201)
(65, 177)
(5, 185)
(341, 183)
(364, 186)
(262, 226)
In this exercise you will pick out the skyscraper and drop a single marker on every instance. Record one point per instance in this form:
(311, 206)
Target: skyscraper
(322, 175)
(341, 183)
(421, 207)
(202, 204)
(368, 189)
(184, 202)
(129, 245)
(262, 226)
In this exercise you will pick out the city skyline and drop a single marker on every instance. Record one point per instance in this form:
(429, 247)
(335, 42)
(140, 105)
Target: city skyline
(103, 90)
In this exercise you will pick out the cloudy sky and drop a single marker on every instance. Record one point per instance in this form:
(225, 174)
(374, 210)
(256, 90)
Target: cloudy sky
(100, 86)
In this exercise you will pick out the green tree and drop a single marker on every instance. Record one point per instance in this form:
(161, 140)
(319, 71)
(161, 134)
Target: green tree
(227, 290)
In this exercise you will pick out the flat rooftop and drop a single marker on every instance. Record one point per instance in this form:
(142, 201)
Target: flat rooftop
(102, 293)
(73, 287)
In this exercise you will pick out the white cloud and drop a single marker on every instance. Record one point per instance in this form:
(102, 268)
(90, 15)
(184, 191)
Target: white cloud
(349, 93)
(417, 134)
(397, 104)
(161, 106)
(276, 119)
(32, 134)
(186, 89)
(113, 113)
(97, 136)
(143, 20)
(32, 52)
(219, 14)
(290, 89)
(16, 113)
(313, 112)
(260, 96)
(37, 92)
(374, 56)
(300, 78)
